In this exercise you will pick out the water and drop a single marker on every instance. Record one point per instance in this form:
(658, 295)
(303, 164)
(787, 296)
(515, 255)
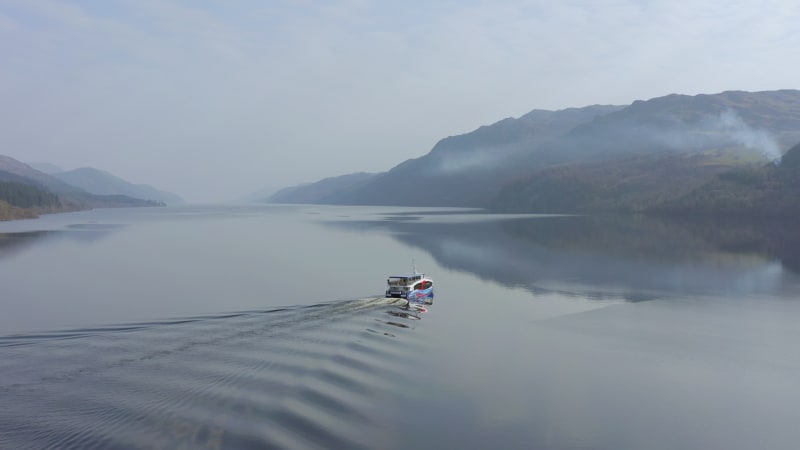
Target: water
(265, 327)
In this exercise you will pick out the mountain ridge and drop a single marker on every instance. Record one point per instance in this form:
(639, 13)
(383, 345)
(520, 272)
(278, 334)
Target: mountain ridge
(26, 192)
(100, 182)
(699, 136)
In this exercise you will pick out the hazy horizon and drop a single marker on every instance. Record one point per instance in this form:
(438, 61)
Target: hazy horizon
(215, 102)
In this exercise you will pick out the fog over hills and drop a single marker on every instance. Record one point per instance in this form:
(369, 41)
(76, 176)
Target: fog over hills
(21, 170)
(45, 167)
(318, 192)
(764, 122)
(463, 170)
(663, 147)
(100, 182)
(27, 192)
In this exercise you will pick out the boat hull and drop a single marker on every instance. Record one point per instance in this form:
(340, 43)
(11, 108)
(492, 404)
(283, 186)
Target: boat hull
(411, 295)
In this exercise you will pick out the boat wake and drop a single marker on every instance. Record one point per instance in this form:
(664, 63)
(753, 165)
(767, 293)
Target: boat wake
(293, 377)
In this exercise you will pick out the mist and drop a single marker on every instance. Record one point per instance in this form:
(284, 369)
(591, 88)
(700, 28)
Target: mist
(609, 138)
(722, 131)
(213, 101)
(752, 138)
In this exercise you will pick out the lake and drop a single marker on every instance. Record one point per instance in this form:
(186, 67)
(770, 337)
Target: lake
(266, 327)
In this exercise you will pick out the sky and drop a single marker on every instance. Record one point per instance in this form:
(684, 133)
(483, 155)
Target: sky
(216, 99)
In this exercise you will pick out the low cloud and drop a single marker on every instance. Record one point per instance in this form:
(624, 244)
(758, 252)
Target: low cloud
(725, 130)
(731, 124)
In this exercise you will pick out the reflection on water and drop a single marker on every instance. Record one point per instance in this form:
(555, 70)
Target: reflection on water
(636, 258)
(12, 244)
(529, 345)
(284, 378)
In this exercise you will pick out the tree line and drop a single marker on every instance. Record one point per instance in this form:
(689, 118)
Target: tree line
(27, 196)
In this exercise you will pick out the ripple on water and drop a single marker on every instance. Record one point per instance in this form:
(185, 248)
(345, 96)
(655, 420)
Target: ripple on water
(282, 378)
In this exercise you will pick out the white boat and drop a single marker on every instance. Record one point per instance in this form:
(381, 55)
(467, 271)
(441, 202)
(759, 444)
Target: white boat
(414, 287)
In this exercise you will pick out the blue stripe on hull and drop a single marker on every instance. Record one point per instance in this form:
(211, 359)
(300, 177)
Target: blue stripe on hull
(419, 295)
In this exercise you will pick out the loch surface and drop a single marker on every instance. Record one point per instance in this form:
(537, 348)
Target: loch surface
(266, 327)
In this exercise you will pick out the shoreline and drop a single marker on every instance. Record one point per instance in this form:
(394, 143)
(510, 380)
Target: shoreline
(9, 212)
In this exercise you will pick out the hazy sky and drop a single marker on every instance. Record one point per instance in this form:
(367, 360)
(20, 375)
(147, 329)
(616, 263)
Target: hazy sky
(214, 99)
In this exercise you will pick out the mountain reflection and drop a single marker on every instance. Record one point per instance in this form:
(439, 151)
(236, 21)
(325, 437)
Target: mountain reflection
(635, 258)
(14, 243)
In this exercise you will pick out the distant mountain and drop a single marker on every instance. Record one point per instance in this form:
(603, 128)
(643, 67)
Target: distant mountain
(71, 197)
(46, 167)
(30, 192)
(100, 182)
(20, 169)
(597, 158)
(318, 192)
(464, 170)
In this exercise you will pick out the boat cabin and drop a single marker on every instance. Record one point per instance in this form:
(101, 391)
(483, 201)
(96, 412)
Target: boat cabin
(402, 285)
(404, 280)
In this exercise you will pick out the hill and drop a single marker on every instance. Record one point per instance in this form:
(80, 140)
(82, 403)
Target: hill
(27, 192)
(592, 158)
(100, 182)
(629, 184)
(769, 190)
(764, 122)
(20, 200)
(463, 170)
(318, 192)
(45, 167)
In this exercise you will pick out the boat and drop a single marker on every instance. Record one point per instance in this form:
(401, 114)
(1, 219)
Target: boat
(414, 287)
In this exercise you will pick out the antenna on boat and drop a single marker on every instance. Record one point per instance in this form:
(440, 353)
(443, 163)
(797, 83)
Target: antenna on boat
(414, 266)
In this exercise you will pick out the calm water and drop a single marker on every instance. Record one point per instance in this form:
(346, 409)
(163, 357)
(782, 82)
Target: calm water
(265, 327)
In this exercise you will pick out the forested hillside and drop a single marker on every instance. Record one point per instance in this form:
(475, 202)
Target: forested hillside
(27, 192)
(27, 196)
(632, 184)
(593, 159)
(19, 200)
(768, 190)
